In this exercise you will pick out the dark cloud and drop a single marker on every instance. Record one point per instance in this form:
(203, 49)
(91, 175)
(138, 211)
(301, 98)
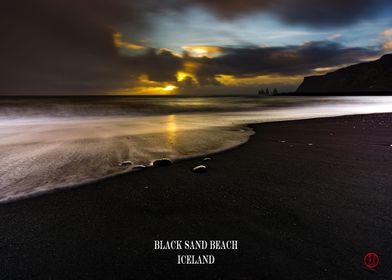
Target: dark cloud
(159, 66)
(62, 44)
(48, 44)
(58, 44)
(285, 61)
(318, 13)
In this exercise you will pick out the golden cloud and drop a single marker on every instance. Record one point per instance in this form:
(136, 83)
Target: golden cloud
(388, 45)
(188, 72)
(201, 51)
(387, 33)
(119, 43)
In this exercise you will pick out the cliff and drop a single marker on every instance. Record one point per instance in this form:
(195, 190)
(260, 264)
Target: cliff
(375, 76)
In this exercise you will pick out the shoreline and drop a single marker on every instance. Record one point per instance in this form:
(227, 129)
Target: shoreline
(130, 171)
(86, 182)
(314, 210)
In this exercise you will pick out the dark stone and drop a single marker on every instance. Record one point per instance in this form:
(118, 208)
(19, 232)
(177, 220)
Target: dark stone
(138, 167)
(125, 163)
(162, 162)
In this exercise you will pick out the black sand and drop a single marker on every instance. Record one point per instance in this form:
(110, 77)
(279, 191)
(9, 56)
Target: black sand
(298, 211)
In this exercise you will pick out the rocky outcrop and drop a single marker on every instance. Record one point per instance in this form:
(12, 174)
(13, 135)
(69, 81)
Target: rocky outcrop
(375, 76)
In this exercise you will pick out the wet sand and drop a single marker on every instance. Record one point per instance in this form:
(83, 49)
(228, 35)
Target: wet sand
(305, 200)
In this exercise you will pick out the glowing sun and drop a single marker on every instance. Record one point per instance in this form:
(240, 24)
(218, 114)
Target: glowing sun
(169, 88)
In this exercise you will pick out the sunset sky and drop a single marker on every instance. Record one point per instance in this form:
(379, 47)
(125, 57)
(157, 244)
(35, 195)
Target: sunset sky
(183, 46)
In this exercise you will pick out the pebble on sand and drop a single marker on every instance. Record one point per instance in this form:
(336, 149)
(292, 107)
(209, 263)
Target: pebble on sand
(138, 167)
(200, 169)
(161, 162)
(125, 163)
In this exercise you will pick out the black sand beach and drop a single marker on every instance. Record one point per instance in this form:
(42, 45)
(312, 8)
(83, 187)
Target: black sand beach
(305, 200)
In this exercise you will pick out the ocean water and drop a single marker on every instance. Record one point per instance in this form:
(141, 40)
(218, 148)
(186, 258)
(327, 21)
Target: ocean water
(51, 143)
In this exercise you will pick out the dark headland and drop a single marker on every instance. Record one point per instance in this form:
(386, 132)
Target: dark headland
(368, 78)
(305, 200)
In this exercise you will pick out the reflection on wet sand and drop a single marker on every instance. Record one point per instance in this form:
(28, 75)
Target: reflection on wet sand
(171, 128)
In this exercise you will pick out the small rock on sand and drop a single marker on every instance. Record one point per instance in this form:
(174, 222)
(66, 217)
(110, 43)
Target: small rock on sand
(161, 162)
(125, 163)
(138, 167)
(200, 169)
